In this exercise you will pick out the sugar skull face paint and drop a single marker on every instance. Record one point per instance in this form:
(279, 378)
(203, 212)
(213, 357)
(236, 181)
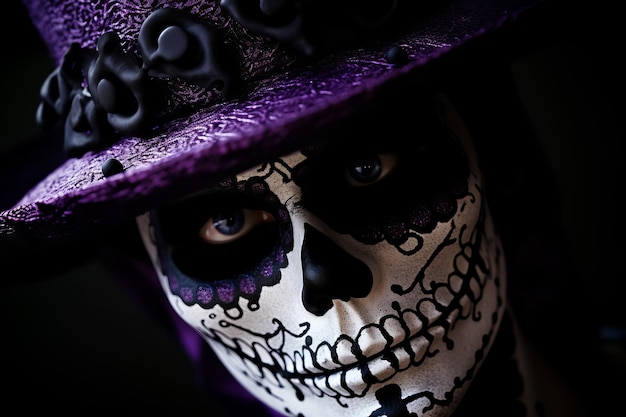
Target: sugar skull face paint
(361, 277)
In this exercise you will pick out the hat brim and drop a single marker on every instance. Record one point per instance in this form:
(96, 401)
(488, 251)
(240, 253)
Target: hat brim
(280, 115)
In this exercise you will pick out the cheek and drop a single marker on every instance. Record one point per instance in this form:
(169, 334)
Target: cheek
(441, 271)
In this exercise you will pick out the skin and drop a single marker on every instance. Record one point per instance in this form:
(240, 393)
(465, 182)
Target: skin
(361, 277)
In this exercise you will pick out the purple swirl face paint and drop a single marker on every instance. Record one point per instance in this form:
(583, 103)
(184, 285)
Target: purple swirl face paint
(362, 277)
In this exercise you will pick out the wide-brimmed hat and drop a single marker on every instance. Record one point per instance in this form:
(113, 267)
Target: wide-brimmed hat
(157, 99)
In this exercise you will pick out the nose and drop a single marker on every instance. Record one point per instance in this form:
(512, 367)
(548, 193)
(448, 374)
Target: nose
(330, 273)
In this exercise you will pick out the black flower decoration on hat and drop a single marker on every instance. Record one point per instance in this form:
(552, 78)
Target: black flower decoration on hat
(290, 21)
(121, 88)
(279, 19)
(176, 44)
(65, 94)
(108, 93)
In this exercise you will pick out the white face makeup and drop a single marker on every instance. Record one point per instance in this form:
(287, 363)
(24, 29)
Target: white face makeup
(359, 278)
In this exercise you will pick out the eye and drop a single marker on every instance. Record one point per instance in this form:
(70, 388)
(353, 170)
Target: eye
(369, 169)
(228, 226)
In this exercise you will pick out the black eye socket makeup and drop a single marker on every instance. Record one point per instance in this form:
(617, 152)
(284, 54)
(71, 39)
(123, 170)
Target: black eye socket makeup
(220, 229)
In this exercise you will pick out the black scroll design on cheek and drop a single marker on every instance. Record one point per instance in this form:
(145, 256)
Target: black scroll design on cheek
(107, 93)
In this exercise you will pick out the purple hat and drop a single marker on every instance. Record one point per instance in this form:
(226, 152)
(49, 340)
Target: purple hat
(157, 99)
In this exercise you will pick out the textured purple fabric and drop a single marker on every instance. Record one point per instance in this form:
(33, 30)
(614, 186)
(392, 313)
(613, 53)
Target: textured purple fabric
(283, 109)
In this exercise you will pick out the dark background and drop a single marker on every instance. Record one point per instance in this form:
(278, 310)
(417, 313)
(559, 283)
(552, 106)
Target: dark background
(75, 339)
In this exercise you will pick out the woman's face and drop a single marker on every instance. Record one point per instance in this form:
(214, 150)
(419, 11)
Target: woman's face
(360, 277)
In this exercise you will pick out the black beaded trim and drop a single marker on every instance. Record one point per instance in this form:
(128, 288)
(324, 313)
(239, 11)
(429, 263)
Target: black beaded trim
(111, 167)
(106, 93)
